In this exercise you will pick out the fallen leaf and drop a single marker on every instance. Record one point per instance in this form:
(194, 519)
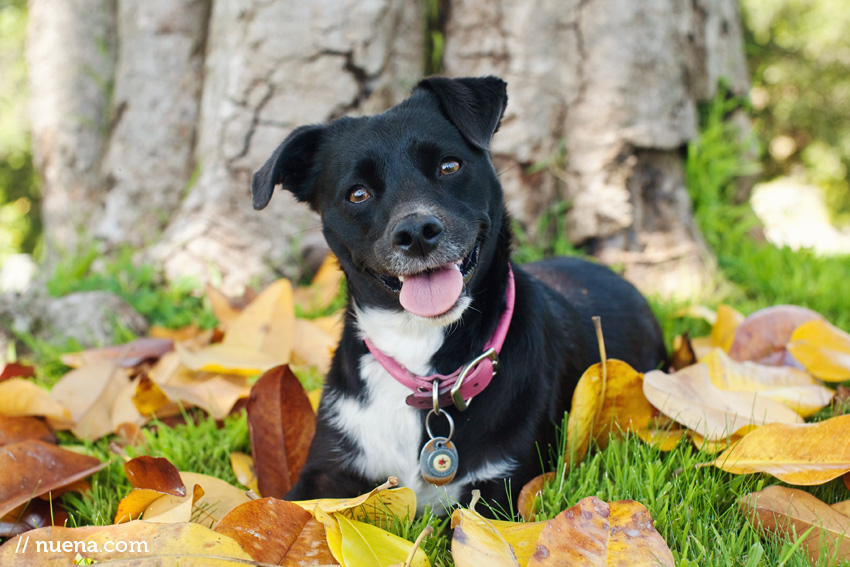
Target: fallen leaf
(216, 394)
(842, 507)
(802, 454)
(126, 355)
(224, 311)
(605, 404)
(683, 352)
(595, 533)
(219, 497)
(724, 328)
(715, 446)
(665, 439)
(312, 346)
(20, 397)
(89, 393)
(477, 542)
(36, 513)
(155, 473)
(133, 506)
(150, 400)
(243, 468)
(762, 337)
(377, 506)
(324, 288)
(527, 500)
(690, 398)
(175, 335)
(15, 370)
(790, 512)
(147, 545)
(370, 546)
(21, 428)
(282, 424)
(170, 509)
(789, 386)
(32, 468)
(277, 532)
(229, 359)
(823, 349)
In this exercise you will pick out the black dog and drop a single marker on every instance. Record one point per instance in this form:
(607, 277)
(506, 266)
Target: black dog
(412, 207)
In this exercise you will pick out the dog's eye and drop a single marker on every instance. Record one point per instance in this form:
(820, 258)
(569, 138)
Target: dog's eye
(358, 194)
(449, 166)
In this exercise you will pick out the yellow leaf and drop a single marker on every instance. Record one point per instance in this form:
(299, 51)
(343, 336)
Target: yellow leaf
(375, 505)
(243, 468)
(594, 533)
(315, 397)
(147, 545)
(333, 534)
(218, 498)
(229, 359)
(324, 288)
(19, 396)
(663, 439)
(172, 509)
(312, 346)
(583, 412)
(267, 324)
(477, 542)
(214, 393)
(365, 545)
(522, 537)
(689, 397)
(802, 454)
(714, 447)
(823, 349)
(723, 330)
(132, 506)
(789, 386)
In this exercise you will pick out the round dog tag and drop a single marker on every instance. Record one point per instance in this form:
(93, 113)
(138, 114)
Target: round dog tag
(438, 461)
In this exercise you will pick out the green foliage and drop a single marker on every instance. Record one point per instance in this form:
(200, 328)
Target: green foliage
(762, 274)
(799, 53)
(174, 304)
(551, 239)
(203, 447)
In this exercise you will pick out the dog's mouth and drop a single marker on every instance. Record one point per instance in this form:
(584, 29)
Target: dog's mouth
(435, 291)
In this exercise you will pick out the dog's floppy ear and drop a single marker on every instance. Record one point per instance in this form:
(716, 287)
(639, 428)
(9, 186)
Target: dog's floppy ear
(474, 105)
(291, 165)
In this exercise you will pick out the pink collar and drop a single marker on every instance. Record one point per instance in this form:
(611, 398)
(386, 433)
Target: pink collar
(464, 383)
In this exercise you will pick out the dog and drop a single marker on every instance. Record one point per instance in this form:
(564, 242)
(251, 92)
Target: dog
(455, 365)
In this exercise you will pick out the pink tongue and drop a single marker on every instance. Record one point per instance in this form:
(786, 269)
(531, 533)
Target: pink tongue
(431, 293)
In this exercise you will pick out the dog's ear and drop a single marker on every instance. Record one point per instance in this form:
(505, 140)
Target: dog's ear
(292, 165)
(474, 105)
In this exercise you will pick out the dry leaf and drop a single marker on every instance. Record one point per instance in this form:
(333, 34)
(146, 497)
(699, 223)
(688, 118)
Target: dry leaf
(600, 407)
(789, 386)
(243, 468)
(155, 473)
(171, 509)
(224, 311)
(216, 394)
(277, 532)
(313, 346)
(148, 545)
(219, 498)
(369, 546)
(823, 349)
(791, 513)
(690, 398)
(282, 423)
(32, 468)
(803, 454)
(36, 513)
(683, 352)
(477, 542)
(126, 355)
(664, 440)
(842, 507)
(15, 370)
(20, 397)
(762, 336)
(150, 400)
(324, 287)
(89, 393)
(175, 335)
(133, 506)
(527, 500)
(229, 359)
(595, 533)
(377, 506)
(21, 428)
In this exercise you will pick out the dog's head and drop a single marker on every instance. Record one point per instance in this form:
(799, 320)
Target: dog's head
(409, 200)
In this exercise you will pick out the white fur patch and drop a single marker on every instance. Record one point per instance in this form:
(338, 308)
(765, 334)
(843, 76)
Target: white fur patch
(385, 429)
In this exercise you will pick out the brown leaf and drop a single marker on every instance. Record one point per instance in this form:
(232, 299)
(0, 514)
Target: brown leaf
(842, 395)
(277, 532)
(126, 355)
(32, 468)
(683, 352)
(595, 533)
(36, 513)
(791, 513)
(15, 370)
(282, 424)
(842, 507)
(762, 337)
(528, 495)
(21, 428)
(147, 545)
(155, 473)
(89, 393)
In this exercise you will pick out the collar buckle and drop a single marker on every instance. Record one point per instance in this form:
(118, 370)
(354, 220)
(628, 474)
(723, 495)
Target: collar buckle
(457, 398)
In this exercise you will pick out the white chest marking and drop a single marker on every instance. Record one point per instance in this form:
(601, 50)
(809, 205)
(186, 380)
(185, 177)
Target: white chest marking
(388, 432)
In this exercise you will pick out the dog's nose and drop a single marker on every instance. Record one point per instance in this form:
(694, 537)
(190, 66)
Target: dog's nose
(417, 235)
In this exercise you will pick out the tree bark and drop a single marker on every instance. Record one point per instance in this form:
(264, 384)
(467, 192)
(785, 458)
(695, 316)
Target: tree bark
(271, 67)
(603, 93)
(70, 59)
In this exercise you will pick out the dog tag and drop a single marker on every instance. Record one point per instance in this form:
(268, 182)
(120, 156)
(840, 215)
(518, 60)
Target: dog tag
(438, 461)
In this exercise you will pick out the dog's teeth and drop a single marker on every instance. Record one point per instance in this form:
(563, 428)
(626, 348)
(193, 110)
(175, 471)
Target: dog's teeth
(401, 279)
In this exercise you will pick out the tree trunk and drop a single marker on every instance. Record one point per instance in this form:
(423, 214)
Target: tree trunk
(603, 98)
(270, 68)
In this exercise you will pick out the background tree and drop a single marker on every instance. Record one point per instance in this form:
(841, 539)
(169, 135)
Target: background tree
(149, 118)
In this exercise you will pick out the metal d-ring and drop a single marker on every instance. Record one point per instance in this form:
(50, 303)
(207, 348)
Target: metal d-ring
(458, 400)
(448, 417)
